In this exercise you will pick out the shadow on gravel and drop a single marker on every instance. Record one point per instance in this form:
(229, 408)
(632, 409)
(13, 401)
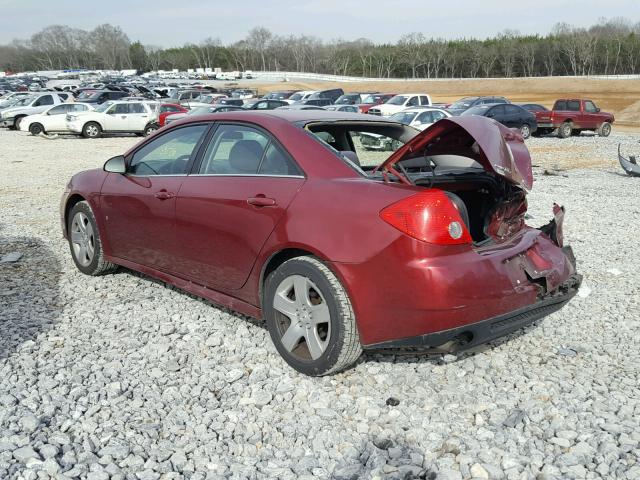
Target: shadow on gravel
(29, 292)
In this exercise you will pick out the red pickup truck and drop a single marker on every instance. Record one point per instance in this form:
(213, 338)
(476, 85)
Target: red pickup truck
(572, 116)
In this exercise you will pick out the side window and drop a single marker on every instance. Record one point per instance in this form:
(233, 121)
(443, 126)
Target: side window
(590, 107)
(424, 100)
(413, 101)
(262, 106)
(512, 110)
(573, 106)
(59, 110)
(136, 108)
(438, 116)
(121, 108)
(424, 117)
(168, 154)
(46, 100)
(276, 162)
(234, 150)
(560, 105)
(77, 107)
(496, 111)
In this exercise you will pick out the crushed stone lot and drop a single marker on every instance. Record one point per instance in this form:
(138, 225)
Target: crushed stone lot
(122, 377)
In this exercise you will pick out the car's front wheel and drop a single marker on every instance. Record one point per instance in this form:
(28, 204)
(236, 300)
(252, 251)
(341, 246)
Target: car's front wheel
(604, 130)
(91, 130)
(310, 318)
(84, 241)
(36, 129)
(525, 131)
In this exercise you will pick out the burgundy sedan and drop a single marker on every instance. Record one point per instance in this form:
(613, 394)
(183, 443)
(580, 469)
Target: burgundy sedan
(285, 216)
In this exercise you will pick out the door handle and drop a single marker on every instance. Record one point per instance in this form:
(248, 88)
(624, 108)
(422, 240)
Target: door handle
(261, 201)
(164, 195)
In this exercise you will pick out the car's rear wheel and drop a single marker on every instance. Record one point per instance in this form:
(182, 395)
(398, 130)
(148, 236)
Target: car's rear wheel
(91, 130)
(84, 241)
(525, 131)
(604, 130)
(310, 318)
(36, 129)
(564, 130)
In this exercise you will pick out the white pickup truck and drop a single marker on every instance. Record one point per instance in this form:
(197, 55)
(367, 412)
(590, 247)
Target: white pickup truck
(401, 102)
(30, 105)
(115, 117)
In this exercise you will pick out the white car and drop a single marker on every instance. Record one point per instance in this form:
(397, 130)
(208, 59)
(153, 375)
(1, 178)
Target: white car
(30, 105)
(53, 119)
(401, 102)
(300, 96)
(420, 118)
(115, 117)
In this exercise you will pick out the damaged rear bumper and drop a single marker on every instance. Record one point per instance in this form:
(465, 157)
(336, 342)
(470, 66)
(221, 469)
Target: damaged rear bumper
(471, 335)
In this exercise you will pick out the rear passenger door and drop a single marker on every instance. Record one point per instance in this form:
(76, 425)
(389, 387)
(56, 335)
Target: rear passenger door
(138, 117)
(229, 205)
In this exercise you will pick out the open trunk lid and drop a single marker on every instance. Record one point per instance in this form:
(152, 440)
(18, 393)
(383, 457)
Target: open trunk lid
(498, 149)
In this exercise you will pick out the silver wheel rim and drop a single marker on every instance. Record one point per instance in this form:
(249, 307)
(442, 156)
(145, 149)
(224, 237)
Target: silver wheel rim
(524, 130)
(567, 130)
(150, 130)
(302, 318)
(83, 239)
(606, 129)
(92, 130)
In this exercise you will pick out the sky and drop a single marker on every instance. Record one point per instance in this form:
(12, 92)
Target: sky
(175, 22)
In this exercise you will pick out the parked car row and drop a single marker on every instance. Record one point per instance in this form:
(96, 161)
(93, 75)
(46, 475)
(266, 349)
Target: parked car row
(162, 101)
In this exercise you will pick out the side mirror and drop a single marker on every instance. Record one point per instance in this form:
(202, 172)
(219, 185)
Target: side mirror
(115, 165)
(597, 110)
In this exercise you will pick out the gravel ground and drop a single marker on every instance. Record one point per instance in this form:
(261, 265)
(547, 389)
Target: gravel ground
(122, 377)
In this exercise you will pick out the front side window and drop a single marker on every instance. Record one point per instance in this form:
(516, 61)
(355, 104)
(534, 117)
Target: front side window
(413, 101)
(590, 107)
(241, 150)
(46, 100)
(59, 110)
(425, 118)
(168, 154)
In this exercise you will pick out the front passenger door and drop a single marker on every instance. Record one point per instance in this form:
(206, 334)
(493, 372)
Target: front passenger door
(139, 206)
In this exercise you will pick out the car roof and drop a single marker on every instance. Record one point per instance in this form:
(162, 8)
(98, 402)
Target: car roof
(293, 116)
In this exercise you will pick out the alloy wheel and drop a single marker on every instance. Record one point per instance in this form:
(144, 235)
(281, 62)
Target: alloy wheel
(82, 239)
(92, 131)
(303, 318)
(525, 131)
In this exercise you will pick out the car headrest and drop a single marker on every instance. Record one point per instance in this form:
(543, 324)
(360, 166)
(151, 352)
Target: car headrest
(353, 156)
(245, 156)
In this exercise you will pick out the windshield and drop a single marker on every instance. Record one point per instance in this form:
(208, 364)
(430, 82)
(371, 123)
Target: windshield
(24, 101)
(296, 96)
(398, 100)
(104, 107)
(373, 98)
(275, 96)
(463, 103)
(403, 117)
(479, 110)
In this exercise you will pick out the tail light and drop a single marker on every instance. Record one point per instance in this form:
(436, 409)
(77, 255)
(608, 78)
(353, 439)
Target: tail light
(428, 216)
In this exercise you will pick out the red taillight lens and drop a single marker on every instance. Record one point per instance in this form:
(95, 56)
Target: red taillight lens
(428, 216)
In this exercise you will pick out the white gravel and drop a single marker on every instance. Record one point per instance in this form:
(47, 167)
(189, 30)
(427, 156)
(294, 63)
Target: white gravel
(121, 377)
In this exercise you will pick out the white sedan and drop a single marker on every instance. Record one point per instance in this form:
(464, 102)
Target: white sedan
(53, 119)
(115, 117)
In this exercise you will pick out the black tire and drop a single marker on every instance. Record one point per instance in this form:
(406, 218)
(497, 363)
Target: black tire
(339, 334)
(149, 129)
(525, 130)
(564, 130)
(604, 130)
(93, 264)
(36, 128)
(16, 122)
(91, 130)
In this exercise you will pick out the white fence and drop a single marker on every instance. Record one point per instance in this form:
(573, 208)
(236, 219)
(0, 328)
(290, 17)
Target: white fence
(279, 76)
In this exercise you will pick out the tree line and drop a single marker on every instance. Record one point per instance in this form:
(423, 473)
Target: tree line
(611, 47)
